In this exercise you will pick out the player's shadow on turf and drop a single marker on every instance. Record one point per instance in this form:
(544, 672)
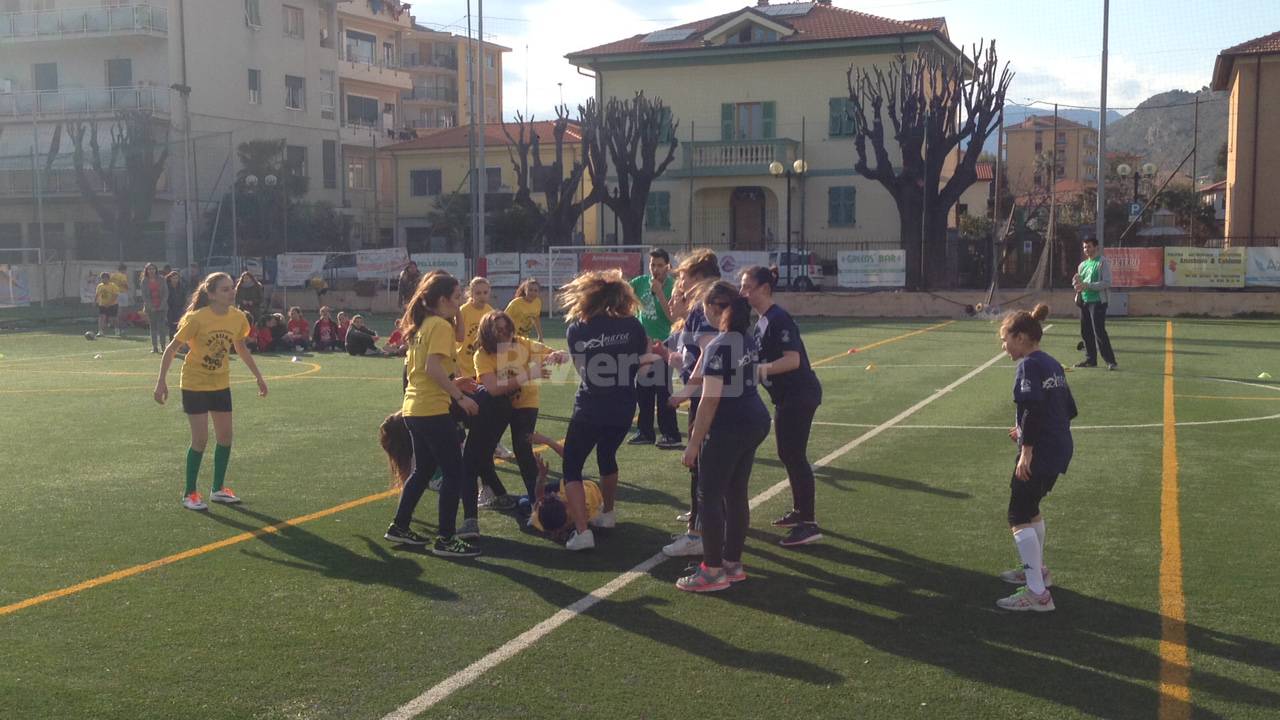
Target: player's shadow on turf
(1094, 655)
(316, 554)
(843, 479)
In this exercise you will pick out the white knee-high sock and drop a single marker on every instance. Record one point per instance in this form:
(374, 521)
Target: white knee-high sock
(1028, 545)
(1038, 526)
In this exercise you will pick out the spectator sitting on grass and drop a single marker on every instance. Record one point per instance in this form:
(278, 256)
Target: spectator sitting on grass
(298, 335)
(344, 322)
(396, 346)
(360, 339)
(325, 335)
(275, 325)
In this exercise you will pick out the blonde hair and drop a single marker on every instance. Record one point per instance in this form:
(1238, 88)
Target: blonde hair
(700, 262)
(475, 281)
(598, 292)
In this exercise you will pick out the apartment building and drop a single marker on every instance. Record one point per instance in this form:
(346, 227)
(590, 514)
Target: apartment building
(1250, 71)
(1030, 149)
(438, 62)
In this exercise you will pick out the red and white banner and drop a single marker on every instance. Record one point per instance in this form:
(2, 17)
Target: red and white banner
(1136, 267)
(561, 267)
(381, 263)
(630, 263)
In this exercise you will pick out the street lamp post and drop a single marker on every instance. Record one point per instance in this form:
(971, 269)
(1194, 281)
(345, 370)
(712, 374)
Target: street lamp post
(1147, 171)
(270, 180)
(777, 169)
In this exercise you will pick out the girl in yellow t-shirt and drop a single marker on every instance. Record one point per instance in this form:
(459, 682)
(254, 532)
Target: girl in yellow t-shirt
(526, 309)
(430, 392)
(468, 326)
(508, 366)
(210, 329)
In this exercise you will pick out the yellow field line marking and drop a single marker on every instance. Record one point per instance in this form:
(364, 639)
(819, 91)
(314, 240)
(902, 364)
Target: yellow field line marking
(6, 362)
(1232, 397)
(315, 368)
(882, 343)
(1175, 669)
(204, 549)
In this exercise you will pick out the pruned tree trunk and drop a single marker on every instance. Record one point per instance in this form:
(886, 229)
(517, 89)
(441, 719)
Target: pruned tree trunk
(562, 207)
(629, 134)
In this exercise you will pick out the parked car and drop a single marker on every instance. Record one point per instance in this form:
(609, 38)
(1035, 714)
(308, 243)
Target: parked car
(804, 268)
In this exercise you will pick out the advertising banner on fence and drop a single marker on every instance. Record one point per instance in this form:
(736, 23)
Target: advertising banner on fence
(733, 262)
(630, 263)
(1263, 267)
(1204, 267)
(295, 269)
(14, 286)
(380, 264)
(871, 268)
(1136, 267)
(453, 263)
(540, 264)
(502, 269)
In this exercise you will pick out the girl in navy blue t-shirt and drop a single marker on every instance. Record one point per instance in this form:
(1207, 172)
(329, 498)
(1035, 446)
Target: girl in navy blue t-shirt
(1042, 430)
(732, 422)
(796, 393)
(608, 345)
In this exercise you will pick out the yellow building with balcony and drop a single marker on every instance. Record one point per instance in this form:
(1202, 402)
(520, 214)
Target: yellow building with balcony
(748, 88)
(1032, 145)
(1251, 72)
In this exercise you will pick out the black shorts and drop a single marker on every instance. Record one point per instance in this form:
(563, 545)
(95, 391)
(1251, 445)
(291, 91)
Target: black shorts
(199, 402)
(108, 310)
(1025, 496)
(581, 438)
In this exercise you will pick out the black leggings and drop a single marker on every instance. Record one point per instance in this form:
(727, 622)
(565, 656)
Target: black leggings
(693, 471)
(793, 419)
(523, 422)
(581, 438)
(435, 445)
(724, 472)
(1093, 330)
(477, 453)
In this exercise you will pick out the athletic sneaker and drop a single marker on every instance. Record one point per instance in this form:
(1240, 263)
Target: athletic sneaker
(484, 497)
(435, 483)
(604, 520)
(683, 545)
(502, 503)
(1112, 366)
(790, 520)
(640, 439)
(454, 547)
(1085, 364)
(684, 516)
(225, 495)
(470, 529)
(1018, 576)
(670, 443)
(403, 537)
(734, 572)
(802, 534)
(1026, 601)
(704, 579)
(194, 502)
(580, 541)
(502, 452)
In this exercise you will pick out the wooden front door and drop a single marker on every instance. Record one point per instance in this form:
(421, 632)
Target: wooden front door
(747, 215)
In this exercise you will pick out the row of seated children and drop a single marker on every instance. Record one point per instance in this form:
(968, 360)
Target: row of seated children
(273, 333)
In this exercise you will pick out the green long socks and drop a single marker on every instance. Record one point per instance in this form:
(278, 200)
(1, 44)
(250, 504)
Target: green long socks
(221, 458)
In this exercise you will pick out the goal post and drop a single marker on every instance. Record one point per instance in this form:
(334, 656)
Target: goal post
(564, 262)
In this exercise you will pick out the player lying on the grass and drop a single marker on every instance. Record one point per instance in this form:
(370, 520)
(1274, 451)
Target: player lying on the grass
(732, 422)
(211, 328)
(1042, 432)
(796, 393)
(550, 513)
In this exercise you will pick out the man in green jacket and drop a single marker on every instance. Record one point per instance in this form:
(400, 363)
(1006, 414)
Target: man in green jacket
(1092, 283)
(653, 384)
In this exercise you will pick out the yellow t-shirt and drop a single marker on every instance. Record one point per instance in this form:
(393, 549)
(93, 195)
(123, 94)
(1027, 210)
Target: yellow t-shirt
(423, 397)
(121, 281)
(511, 363)
(595, 500)
(106, 295)
(210, 337)
(471, 317)
(524, 313)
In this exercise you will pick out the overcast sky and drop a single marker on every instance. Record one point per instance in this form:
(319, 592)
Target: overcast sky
(1053, 45)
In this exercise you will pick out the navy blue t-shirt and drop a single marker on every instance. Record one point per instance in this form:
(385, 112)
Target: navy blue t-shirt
(733, 357)
(777, 333)
(1045, 410)
(606, 352)
(695, 327)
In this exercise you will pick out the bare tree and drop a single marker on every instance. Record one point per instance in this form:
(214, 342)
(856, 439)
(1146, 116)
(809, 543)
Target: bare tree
(935, 103)
(119, 182)
(629, 134)
(564, 204)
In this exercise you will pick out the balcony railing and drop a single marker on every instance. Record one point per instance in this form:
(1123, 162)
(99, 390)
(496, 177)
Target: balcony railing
(445, 62)
(21, 182)
(423, 94)
(83, 100)
(353, 54)
(736, 157)
(52, 24)
(438, 123)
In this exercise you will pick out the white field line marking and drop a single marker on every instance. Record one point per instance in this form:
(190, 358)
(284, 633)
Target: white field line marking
(512, 647)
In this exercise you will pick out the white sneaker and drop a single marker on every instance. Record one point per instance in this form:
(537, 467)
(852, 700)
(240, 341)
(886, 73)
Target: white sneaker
(604, 520)
(580, 541)
(684, 516)
(1018, 576)
(1026, 601)
(225, 496)
(484, 497)
(194, 502)
(684, 545)
(501, 452)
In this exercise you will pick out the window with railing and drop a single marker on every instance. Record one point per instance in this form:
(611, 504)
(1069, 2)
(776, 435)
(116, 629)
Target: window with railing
(747, 121)
(328, 94)
(362, 111)
(293, 22)
(255, 86)
(295, 92)
(361, 47)
(358, 177)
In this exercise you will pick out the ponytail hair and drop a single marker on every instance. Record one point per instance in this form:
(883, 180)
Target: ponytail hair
(598, 292)
(737, 311)
(762, 276)
(1027, 324)
(200, 298)
(393, 435)
(431, 289)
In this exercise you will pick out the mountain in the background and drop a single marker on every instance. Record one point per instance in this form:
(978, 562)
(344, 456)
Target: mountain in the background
(1014, 114)
(1163, 129)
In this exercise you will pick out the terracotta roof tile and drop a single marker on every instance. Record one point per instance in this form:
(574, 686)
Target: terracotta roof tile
(822, 22)
(458, 137)
(1043, 122)
(1265, 45)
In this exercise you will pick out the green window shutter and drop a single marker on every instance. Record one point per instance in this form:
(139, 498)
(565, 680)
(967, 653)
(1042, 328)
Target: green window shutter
(851, 214)
(664, 132)
(850, 124)
(833, 206)
(657, 211)
(649, 211)
(835, 126)
(770, 119)
(726, 121)
(840, 207)
(664, 209)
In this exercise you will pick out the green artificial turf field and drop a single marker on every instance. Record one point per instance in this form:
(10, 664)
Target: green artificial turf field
(115, 602)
